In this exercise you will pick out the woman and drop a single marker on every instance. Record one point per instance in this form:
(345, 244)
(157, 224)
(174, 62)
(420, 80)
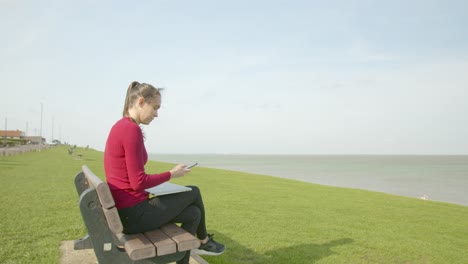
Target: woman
(124, 159)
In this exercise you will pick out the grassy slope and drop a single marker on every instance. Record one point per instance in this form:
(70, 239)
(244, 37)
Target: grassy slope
(261, 219)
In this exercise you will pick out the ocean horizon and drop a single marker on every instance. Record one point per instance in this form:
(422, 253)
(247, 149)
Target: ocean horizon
(441, 178)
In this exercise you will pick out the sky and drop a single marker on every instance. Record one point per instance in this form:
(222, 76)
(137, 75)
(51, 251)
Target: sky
(244, 77)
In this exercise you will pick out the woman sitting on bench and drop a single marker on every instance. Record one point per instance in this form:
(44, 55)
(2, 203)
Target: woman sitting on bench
(124, 159)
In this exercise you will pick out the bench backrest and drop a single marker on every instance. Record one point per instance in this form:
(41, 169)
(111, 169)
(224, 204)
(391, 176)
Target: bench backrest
(106, 200)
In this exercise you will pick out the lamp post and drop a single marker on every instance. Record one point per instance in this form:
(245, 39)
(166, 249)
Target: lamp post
(40, 130)
(52, 138)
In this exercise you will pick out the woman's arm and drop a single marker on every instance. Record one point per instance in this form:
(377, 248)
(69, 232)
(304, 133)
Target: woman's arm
(135, 163)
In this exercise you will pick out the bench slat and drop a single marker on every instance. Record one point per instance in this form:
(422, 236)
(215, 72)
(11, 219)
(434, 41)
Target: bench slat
(102, 189)
(113, 220)
(138, 246)
(184, 240)
(164, 244)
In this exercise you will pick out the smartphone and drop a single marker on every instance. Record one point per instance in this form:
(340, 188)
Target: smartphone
(192, 165)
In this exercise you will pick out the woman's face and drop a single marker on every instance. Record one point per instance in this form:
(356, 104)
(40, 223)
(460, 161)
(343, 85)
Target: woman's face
(149, 110)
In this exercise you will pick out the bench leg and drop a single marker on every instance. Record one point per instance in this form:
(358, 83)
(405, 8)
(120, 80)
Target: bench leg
(83, 243)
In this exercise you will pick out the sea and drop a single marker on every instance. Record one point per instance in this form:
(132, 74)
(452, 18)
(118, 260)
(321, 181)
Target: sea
(429, 177)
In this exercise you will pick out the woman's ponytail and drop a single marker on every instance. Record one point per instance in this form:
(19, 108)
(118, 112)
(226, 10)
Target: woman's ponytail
(128, 98)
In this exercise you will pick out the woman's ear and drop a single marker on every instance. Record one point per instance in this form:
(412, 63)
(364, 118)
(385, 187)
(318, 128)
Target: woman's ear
(140, 101)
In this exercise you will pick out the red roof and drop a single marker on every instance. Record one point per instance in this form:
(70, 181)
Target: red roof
(11, 133)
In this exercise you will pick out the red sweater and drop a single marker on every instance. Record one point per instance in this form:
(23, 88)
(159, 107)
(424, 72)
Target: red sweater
(125, 157)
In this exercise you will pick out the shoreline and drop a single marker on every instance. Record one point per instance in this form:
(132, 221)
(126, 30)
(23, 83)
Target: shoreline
(422, 197)
(436, 178)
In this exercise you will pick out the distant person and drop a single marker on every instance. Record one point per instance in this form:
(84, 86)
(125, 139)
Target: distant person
(124, 159)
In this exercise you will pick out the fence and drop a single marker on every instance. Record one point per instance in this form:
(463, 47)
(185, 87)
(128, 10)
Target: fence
(10, 151)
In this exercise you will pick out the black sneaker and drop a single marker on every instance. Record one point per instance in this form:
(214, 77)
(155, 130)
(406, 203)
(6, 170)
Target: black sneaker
(211, 248)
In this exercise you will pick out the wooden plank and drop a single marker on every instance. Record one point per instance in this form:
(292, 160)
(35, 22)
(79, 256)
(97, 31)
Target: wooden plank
(93, 180)
(164, 244)
(138, 246)
(113, 220)
(102, 189)
(184, 240)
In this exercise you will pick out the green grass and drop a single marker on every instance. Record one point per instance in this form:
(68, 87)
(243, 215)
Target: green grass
(261, 219)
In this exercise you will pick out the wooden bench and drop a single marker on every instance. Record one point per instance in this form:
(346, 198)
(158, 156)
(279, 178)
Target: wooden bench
(167, 244)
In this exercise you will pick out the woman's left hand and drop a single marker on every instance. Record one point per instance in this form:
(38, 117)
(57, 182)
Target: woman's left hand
(179, 171)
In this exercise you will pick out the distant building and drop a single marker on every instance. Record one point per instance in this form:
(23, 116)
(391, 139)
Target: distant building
(21, 137)
(16, 134)
(35, 140)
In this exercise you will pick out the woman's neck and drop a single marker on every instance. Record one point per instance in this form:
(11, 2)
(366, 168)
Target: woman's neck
(131, 119)
(133, 116)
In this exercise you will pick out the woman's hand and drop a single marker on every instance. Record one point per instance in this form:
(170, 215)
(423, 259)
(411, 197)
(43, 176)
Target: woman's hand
(179, 171)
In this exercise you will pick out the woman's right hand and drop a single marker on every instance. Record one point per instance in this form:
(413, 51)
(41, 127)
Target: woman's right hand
(179, 171)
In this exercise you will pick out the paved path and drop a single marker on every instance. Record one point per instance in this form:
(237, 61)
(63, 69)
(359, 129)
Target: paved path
(71, 256)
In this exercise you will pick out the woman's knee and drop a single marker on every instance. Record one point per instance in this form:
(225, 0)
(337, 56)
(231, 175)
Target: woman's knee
(195, 190)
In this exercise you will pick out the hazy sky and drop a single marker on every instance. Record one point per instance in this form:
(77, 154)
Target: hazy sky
(253, 77)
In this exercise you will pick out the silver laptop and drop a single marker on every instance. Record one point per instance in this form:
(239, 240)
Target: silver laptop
(167, 188)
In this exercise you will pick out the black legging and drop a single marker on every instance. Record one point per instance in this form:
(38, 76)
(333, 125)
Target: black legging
(185, 207)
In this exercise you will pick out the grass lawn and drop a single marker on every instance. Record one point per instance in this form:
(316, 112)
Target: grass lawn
(261, 219)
